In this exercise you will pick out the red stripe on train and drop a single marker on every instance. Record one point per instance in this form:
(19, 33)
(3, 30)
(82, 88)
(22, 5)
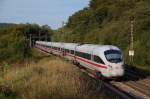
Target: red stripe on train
(84, 60)
(92, 63)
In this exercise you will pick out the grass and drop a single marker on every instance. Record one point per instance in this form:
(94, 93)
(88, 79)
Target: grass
(49, 78)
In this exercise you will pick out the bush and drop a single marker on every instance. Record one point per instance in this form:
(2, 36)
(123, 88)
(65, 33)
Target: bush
(13, 47)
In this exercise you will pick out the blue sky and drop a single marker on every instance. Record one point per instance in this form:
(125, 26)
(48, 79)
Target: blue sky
(51, 12)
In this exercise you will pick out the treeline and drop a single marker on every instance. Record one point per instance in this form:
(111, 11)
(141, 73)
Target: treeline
(108, 22)
(6, 25)
(16, 40)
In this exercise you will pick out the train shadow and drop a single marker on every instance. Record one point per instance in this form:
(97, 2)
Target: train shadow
(134, 74)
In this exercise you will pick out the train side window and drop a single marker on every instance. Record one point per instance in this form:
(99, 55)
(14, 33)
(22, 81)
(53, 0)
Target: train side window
(98, 60)
(67, 50)
(83, 55)
(77, 53)
(89, 56)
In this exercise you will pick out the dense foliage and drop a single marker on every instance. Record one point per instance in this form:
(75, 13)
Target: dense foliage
(15, 40)
(6, 25)
(108, 22)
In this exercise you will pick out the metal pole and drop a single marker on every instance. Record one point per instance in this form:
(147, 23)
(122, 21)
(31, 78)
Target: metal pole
(132, 22)
(30, 40)
(131, 51)
(132, 38)
(39, 36)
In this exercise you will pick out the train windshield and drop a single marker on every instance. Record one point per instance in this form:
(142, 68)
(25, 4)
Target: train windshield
(113, 56)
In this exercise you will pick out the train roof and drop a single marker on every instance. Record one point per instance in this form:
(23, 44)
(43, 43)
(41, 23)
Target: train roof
(88, 48)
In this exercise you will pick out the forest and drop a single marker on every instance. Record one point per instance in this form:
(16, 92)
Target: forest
(16, 40)
(108, 22)
(101, 22)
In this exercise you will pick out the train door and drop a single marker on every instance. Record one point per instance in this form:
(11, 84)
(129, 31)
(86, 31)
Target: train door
(64, 52)
(75, 56)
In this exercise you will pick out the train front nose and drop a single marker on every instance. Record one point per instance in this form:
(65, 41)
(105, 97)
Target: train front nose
(116, 70)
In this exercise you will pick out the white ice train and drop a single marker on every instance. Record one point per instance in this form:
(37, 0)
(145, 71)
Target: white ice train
(106, 60)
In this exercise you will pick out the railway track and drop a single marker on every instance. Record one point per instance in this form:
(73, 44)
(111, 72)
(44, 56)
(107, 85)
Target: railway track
(132, 87)
(139, 83)
(122, 94)
(136, 84)
(127, 89)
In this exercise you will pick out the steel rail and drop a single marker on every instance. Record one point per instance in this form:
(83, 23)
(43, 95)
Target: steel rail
(137, 88)
(121, 93)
